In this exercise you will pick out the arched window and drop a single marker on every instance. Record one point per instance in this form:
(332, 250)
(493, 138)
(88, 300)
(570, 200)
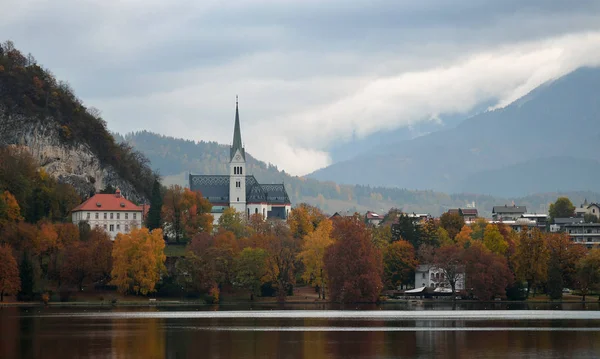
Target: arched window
(235, 170)
(248, 212)
(255, 210)
(265, 212)
(241, 171)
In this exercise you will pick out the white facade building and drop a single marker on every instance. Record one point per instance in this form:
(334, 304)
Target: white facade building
(111, 212)
(431, 277)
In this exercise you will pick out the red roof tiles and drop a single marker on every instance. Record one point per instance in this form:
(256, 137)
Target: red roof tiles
(107, 202)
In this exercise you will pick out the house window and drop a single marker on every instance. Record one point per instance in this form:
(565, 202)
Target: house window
(118, 215)
(135, 216)
(255, 210)
(118, 227)
(88, 215)
(126, 215)
(111, 215)
(238, 184)
(104, 215)
(241, 172)
(238, 199)
(423, 276)
(126, 228)
(248, 212)
(593, 210)
(97, 215)
(105, 227)
(235, 170)
(112, 227)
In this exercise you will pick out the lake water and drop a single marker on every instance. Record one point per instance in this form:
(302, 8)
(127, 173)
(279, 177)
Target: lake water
(303, 331)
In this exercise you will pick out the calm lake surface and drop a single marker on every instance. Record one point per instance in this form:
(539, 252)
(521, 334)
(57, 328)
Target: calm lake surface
(304, 331)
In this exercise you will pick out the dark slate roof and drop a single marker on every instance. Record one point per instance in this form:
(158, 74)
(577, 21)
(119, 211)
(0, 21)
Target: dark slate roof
(216, 189)
(570, 220)
(509, 209)
(213, 187)
(237, 136)
(276, 193)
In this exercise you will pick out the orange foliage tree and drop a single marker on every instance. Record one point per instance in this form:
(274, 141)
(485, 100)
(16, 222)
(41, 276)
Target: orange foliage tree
(352, 264)
(138, 260)
(185, 213)
(87, 260)
(9, 209)
(10, 283)
(531, 257)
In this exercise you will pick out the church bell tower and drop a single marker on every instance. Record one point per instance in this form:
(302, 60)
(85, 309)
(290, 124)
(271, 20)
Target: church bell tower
(237, 167)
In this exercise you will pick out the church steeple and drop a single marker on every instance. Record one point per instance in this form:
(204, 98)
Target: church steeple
(237, 135)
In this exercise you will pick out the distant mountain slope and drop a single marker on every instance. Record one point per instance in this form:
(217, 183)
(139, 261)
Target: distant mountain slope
(561, 118)
(172, 157)
(581, 174)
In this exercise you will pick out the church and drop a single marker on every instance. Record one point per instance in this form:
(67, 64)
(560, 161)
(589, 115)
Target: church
(239, 189)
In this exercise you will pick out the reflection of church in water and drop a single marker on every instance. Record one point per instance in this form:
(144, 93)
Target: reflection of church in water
(240, 190)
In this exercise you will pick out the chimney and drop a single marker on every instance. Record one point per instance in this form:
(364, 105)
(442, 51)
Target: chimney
(118, 193)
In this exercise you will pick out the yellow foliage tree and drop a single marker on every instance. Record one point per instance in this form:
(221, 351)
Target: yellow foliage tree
(138, 259)
(493, 239)
(313, 250)
(444, 237)
(9, 208)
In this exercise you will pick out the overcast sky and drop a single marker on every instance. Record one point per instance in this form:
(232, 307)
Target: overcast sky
(308, 73)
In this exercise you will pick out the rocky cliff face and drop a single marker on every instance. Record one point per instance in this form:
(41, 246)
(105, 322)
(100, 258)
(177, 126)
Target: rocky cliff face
(74, 164)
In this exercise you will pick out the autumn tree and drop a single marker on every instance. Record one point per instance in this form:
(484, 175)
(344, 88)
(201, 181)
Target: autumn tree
(87, 260)
(563, 207)
(154, 219)
(138, 260)
(198, 272)
(10, 283)
(487, 273)
(448, 259)
(531, 258)
(352, 264)
(399, 264)
(463, 238)
(452, 223)
(303, 219)
(563, 258)
(232, 221)
(10, 211)
(478, 228)
(313, 251)
(588, 272)
(381, 236)
(493, 239)
(430, 232)
(185, 213)
(282, 250)
(250, 270)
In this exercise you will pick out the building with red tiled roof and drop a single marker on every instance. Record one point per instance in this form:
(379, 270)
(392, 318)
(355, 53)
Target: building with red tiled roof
(112, 212)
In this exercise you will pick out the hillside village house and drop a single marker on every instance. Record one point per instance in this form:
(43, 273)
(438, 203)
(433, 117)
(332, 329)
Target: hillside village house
(588, 208)
(508, 213)
(468, 214)
(112, 212)
(428, 276)
(240, 190)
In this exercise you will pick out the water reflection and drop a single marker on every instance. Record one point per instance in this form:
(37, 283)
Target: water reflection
(174, 333)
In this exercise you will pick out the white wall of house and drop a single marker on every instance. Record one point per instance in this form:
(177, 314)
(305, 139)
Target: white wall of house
(433, 277)
(258, 208)
(113, 222)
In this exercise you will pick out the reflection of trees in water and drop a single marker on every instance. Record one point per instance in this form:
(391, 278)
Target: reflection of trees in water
(142, 338)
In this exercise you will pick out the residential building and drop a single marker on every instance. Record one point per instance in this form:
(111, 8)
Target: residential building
(508, 213)
(468, 214)
(560, 223)
(588, 208)
(239, 189)
(111, 212)
(432, 277)
(587, 234)
(373, 218)
(541, 220)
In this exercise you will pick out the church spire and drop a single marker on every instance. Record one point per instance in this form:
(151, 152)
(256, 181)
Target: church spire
(237, 134)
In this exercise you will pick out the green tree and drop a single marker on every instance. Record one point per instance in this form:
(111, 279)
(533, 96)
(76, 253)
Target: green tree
(154, 219)
(407, 229)
(250, 270)
(399, 263)
(555, 283)
(381, 236)
(561, 208)
(232, 221)
(27, 278)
